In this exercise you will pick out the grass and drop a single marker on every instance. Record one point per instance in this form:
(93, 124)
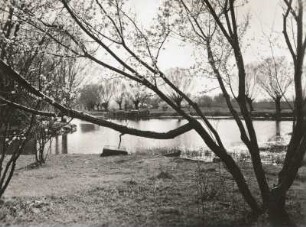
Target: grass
(134, 190)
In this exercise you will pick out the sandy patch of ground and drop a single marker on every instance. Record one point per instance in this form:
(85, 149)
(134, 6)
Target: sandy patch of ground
(138, 190)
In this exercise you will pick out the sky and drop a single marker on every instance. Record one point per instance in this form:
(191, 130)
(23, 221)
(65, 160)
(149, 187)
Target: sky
(265, 15)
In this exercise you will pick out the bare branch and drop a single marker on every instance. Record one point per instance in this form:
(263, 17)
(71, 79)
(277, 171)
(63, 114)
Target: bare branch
(27, 109)
(285, 17)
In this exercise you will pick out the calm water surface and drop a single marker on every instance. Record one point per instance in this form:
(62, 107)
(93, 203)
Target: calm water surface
(90, 138)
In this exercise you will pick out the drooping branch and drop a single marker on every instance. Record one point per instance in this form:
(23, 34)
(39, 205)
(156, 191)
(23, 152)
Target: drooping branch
(6, 70)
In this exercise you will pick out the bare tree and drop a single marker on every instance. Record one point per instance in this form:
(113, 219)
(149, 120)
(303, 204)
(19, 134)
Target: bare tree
(275, 79)
(209, 21)
(182, 79)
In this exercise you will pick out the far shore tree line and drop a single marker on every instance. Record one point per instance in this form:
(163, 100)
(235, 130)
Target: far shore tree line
(268, 79)
(132, 95)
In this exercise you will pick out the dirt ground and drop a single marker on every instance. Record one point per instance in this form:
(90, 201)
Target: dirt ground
(134, 190)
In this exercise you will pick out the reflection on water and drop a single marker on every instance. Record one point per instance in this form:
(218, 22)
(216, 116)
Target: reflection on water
(90, 139)
(86, 127)
(56, 145)
(277, 128)
(279, 138)
(60, 144)
(64, 144)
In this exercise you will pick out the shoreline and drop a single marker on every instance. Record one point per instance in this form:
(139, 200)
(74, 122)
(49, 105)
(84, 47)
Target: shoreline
(222, 117)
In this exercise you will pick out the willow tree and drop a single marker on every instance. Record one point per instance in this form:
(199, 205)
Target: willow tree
(106, 92)
(120, 91)
(275, 79)
(133, 52)
(252, 83)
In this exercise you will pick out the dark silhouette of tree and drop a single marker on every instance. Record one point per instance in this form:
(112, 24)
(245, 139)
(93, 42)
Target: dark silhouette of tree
(89, 96)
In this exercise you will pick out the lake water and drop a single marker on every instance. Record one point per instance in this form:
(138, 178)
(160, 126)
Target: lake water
(90, 138)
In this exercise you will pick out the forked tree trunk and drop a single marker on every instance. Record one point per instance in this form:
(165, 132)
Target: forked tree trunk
(232, 168)
(119, 101)
(278, 215)
(250, 103)
(120, 105)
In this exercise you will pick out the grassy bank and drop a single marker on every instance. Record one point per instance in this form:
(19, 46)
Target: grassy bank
(149, 190)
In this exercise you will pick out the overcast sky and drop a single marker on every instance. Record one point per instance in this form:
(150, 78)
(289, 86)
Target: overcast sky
(265, 15)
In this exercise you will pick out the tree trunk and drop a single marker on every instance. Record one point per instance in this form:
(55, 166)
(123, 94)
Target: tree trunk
(64, 144)
(136, 104)
(277, 108)
(250, 103)
(277, 128)
(105, 105)
(278, 215)
(232, 168)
